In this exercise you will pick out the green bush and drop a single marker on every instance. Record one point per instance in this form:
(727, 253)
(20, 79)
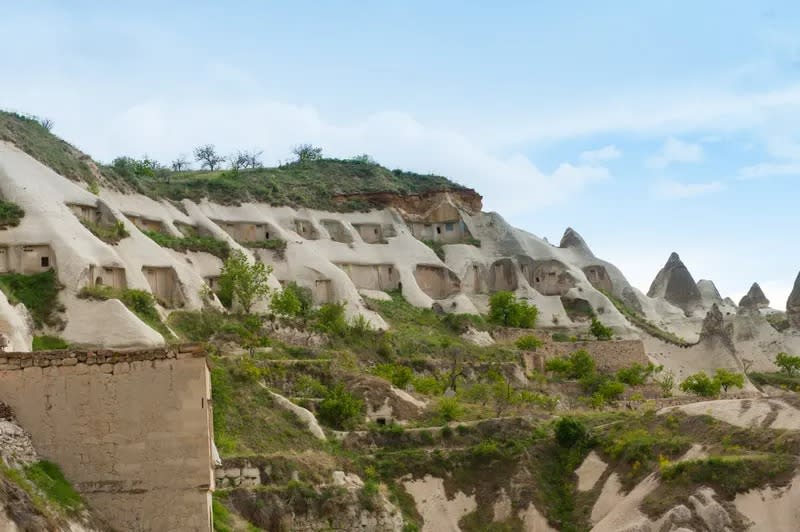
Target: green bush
(48, 343)
(570, 432)
(436, 246)
(331, 320)
(600, 331)
(577, 365)
(506, 310)
(37, 291)
(727, 379)
(560, 337)
(243, 281)
(448, 409)
(11, 214)
(787, 363)
(399, 376)
(701, 384)
(635, 374)
(528, 343)
(293, 301)
(340, 409)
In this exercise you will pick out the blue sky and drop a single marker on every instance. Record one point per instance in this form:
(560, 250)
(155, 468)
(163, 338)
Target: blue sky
(648, 128)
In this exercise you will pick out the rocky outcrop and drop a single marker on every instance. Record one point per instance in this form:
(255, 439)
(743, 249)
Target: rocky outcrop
(675, 284)
(572, 239)
(708, 292)
(793, 305)
(715, 329)
(754, 299)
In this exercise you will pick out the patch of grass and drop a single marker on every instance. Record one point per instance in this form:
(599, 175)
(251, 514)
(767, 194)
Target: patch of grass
(223, 521)
(246, 419)
(208, 244)
(29, 135)
(141, 303)
(109, 233)
(778, 320)
(48, 343)
(436, 246)
(647, 326)
(778, 379)
(48, 477)
(37, 291)
(11, 214)
(310, 184)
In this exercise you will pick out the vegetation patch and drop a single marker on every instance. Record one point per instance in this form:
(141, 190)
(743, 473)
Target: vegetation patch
(11, 214)
(38, 292)
(647, 326)
(207, 244)
(141, 303)
(48, 477)
(108, 233)
(48, 343)
(436, 246)
(779, 380)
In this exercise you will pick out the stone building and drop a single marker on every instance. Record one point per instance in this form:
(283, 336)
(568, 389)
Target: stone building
(247, 231)
(26, 259)
(436, 281)
(164, 284)
(372, 276)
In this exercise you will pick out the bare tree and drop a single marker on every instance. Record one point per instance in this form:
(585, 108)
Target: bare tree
(208, 156)
(307, 152)
(180, 163)
(46, 123)
(253, 159)
(237, 160)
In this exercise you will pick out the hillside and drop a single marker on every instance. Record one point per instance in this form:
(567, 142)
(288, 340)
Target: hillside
(407, 361)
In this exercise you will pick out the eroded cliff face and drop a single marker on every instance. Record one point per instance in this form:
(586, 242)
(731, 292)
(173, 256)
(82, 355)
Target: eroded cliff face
(793, 305)
(675, 284)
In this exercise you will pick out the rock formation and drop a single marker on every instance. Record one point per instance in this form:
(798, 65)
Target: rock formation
(572, 239)
(793, 305)
(709, 292)
(675, 284)
(754, 299)
(714, 328)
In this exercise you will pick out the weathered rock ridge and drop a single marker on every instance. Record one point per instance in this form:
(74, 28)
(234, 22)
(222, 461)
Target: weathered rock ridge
(675, 284)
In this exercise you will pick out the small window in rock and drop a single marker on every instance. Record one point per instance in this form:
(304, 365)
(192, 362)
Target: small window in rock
(99, 281)
(537, 280)
(45, 261)
(449, 226)
(376, 230)
(380, 421)
(438, 230)
(266, 235)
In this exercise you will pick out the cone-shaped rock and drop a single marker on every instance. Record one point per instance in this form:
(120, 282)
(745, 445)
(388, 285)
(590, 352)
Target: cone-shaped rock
(714, 328)
(675, 284)
(754, 299)
(572, 239)
(709, 293)
(793, 305)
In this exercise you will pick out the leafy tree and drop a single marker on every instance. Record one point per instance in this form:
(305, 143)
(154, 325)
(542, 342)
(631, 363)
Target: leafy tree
(293, 301)
(180, 163)
(726, 379)
(570, 432)
(340, 409)
(528, 343)
(577, 365)
(207, 155)
(243, 282)
(789, 364)
(701, 384)
(610, 390)
(600, 331)
(307, 152)
(505, 309)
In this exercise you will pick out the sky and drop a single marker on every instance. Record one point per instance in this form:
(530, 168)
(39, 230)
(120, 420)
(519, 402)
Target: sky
(649, 127)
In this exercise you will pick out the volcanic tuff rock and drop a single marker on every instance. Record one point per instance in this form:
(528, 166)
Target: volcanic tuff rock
(572, 239)
(793, 305)
(714, 328)
(675, 284)
(754, 299)
(708, 291)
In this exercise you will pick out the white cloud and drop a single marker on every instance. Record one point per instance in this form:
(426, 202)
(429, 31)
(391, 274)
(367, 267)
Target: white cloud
(606, 153)
(761, 170)
(676, 151)
(669, 189)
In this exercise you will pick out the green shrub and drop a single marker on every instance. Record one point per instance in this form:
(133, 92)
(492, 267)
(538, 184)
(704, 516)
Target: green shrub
(609, 390)
(37, 291)
(701, 384)
(399, 376)
(560, 337)
(635, 374)
(242, 281)
(331, 320)
(577, 365)
(528, 343)
(436, 246)
(293, 301)
(207, 244)
(600, 331)
(787, 363)
(223, 521)
(506, 310)
(340, 409)
(11, 214)
(727, 379)
(448, 409)
(48, 343)
(570, 432)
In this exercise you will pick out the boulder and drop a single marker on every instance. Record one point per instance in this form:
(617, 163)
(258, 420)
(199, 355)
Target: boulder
(675, 284)
(793, 305)
(754, 299)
